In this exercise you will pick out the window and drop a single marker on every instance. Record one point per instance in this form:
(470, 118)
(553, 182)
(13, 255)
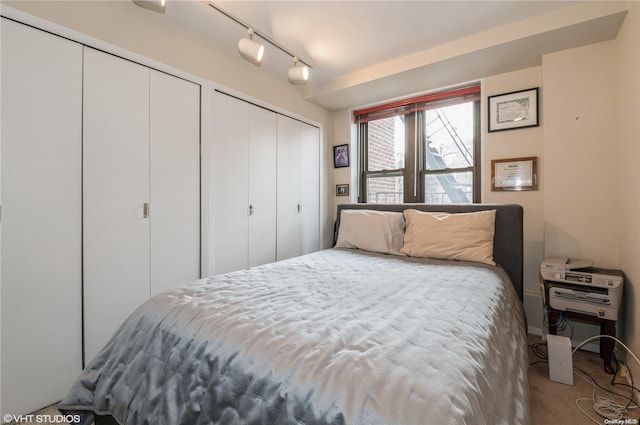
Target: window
(424, 149)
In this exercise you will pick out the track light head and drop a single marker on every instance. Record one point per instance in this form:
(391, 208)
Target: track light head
(298, 74)
(253, 52)
(250, 50)
(155, 5)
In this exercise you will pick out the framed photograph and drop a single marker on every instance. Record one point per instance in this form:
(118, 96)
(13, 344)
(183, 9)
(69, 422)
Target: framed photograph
(513, 110)
(341, 156)
(342, 190)
(514, 174)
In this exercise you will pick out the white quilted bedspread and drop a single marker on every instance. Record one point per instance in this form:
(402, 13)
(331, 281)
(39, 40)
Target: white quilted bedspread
(335, 337)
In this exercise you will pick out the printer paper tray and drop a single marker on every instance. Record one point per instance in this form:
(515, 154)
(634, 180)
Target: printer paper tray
(590, 299)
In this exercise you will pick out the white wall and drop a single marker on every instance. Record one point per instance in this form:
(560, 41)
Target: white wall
(519, 143)
(344, 131)
(581, 161)
(581, 170)
(627, 56)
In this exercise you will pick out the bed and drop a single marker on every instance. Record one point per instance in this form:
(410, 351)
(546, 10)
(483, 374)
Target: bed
(345, 335)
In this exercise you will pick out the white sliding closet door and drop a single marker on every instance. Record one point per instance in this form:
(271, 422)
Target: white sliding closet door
(298, 188)
(41, 217)
(115, 190)
(289, 185)
(310, 189)
(231, 184)
(244, 185)
(141, 189)
(262, 186)
(175, 181)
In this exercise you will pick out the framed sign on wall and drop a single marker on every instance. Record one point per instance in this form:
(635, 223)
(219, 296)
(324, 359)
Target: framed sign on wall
(514, 174)
(513, 110)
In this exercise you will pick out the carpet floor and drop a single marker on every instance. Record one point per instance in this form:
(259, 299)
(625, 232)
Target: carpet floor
(552, 403)
(555, 403)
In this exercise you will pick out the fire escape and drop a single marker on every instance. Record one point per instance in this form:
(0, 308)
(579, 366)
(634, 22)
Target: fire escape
(435, 161)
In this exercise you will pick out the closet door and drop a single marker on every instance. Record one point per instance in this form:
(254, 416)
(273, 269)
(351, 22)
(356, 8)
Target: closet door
(244, 185)
(115, 191)
(41, 216)
(288, 186)
(230, 184)
(298, 188)
(175, 181)
(310, 146)
(262, 186)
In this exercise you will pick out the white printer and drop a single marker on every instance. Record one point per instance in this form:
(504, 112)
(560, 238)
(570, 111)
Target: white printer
(574, 285)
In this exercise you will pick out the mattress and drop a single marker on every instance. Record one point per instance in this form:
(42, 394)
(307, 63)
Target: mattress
(335, 337)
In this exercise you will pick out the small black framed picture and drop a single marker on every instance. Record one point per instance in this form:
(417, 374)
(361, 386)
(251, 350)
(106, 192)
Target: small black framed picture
(341, 156)
(342, 190)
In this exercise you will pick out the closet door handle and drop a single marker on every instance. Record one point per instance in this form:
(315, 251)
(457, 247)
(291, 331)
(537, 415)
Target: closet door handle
(145, 210)
(250, 209)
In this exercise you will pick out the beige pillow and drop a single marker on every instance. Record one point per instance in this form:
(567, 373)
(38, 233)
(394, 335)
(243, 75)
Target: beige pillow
(377, 231)
(463, 236)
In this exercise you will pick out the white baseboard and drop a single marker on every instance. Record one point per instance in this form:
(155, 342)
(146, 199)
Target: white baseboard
(535, 331)
(593, 347)
(534, 307)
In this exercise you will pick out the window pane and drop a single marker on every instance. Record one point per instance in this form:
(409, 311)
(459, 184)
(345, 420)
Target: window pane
(449, 137)
(449, 188)
(385, 148)
(385, 190)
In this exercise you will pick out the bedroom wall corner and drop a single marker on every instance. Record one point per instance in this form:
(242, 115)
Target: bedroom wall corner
(344, 131)
(581, 166)
(628, 125)
(327, 190)
(581, 169)
(515, 144)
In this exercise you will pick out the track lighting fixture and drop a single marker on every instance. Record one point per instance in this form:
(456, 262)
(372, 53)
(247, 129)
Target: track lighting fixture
(253, 52)
(155, 5)
(250, 50)
(298, 74)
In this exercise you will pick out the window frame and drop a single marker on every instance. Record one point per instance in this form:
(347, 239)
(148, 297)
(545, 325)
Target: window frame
(415, 170)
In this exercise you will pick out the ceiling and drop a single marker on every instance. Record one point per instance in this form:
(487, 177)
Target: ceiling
(364, 52)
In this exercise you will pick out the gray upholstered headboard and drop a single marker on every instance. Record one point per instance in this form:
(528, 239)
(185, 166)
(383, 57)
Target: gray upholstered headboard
(507, 242)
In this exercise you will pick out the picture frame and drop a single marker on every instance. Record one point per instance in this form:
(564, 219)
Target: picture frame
(514, 174)
(341, 156)
(342, 190)
(513, 110)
